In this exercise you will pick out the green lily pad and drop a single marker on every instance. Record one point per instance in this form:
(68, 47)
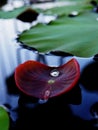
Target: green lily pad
(66, 9)
(11, 14)
(14, 13)
(4, 119)
(78, 35)
(59, 11)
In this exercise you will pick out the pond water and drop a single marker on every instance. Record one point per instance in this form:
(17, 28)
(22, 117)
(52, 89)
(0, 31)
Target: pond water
(76, 109)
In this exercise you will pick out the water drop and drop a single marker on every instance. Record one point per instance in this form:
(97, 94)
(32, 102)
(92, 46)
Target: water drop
(73, 14)
(54, 73)
(51, 81)
(47, 94)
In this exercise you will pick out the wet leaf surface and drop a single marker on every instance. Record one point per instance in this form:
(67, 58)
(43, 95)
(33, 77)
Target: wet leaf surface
(43, 82)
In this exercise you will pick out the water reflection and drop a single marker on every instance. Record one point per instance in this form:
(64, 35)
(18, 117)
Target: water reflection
(72, 110)
(10, 57)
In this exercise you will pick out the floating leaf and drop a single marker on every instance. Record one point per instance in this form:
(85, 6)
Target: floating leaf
(4, 119)
(41, 81)
(59, 10)
(79, 6)
(16, 12)
(12, 14)
(76, 35)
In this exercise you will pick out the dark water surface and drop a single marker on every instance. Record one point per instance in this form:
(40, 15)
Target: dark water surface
(76, 109)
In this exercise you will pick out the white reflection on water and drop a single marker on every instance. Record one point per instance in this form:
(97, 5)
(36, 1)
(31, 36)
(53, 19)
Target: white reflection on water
(12, 4)
(10, 55)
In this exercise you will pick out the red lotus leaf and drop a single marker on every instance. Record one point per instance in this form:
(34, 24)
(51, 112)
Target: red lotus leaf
(41, 81)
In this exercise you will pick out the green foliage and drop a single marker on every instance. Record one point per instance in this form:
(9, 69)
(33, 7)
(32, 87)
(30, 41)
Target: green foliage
(11, 14)
(4, 119)
(77, 35)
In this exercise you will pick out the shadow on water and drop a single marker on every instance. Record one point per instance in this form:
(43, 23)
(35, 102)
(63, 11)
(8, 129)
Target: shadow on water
(55, 113)
(11, 85)
(89, 77)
